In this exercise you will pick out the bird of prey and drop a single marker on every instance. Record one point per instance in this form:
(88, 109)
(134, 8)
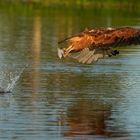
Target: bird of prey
(98, 43)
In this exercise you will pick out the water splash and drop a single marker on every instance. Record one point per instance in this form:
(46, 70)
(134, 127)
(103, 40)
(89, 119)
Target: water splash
(8, 80)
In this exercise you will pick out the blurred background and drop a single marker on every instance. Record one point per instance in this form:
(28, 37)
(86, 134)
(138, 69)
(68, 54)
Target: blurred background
(78, 3)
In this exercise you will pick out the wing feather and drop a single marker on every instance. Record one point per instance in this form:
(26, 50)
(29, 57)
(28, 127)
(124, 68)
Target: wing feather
(87, 56)
(117, 37)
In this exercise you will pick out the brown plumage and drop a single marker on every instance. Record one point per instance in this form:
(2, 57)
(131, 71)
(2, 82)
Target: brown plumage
(91, 45)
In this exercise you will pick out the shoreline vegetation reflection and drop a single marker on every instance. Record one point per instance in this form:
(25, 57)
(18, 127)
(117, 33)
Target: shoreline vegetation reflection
(77, 3)
(42, 5)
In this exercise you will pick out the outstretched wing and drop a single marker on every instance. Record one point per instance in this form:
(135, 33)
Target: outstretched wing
(94, 44)
(115, 37)
(87, 55)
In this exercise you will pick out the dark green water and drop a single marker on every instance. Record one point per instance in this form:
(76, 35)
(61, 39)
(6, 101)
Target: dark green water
(59, 100)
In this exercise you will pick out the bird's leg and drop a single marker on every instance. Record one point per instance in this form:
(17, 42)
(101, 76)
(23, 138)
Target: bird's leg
(64, 52)
(115, 52)
(68, 50)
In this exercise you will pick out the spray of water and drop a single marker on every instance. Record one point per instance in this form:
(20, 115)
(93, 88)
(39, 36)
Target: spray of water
(8, 80)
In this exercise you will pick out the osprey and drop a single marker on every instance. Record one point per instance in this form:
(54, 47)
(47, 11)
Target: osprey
(94, 44)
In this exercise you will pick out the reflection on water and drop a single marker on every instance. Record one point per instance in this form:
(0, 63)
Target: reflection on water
(36, 50)
(89, 122)
(91, 107)
(57, 99)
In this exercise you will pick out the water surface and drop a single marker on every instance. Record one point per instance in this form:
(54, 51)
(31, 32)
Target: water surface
(56, 99)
